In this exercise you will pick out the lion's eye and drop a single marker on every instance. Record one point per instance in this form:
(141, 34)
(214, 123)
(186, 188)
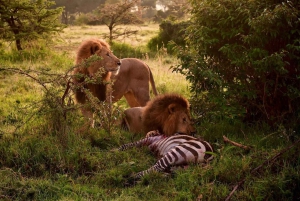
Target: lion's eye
(107, 54)
(184, 119)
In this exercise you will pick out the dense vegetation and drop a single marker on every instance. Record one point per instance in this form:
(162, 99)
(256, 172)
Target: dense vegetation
(46, 153)
(25, 20)
(244, 55)
(171, 34)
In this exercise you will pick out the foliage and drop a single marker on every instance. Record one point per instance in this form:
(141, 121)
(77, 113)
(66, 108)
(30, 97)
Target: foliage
(169, 31)
(243, 59)
(123, 50)
(26, 20)
(73, 7)
(148, 3)
(113, 15)
(173, 9)
(45, 155)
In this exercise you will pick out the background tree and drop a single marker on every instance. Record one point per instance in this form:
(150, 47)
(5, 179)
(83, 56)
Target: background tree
(70, 7)
(148, 9)
(113, 15)
(25, 20)
(171, 33)
(243, 58)
(172, 9)
(148, 3)
(73, 7)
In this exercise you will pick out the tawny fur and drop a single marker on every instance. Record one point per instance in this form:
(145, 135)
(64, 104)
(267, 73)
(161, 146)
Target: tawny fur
(133, 119)
(169, 114)
(108, 64)
(132, 82)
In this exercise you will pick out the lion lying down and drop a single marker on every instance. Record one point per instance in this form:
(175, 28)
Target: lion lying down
(167, 113)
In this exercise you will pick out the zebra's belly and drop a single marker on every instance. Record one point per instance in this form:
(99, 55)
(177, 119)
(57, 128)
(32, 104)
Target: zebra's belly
(178, 156)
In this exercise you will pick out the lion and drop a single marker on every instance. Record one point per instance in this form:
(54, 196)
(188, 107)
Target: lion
(108, 63)
(133, 119)
(132, 82)
(168, 114)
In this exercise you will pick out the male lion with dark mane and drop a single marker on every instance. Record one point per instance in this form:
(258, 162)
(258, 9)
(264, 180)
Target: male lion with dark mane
(168, 114)
(132, 82)
(84, 72)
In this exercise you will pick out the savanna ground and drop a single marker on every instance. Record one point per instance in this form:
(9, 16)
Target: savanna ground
(44, 154)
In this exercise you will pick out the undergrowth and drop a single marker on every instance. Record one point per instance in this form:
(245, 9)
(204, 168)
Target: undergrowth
(46, 155)
(37, 164)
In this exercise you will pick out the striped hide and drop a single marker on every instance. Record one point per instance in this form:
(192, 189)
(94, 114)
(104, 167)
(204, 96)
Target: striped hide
(173, 151)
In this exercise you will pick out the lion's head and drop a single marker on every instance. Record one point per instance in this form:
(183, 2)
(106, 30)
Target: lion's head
(100, 48)
(169, 114)
(91, 70)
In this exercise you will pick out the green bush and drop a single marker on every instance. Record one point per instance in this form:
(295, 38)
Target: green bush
(123, 50)
(243, 59)
(169, 31)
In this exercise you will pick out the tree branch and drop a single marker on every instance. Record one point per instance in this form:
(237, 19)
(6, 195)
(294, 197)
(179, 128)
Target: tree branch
(260, 166)
(236, 144)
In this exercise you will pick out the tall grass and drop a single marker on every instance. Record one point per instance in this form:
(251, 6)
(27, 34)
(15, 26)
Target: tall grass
(46, 155)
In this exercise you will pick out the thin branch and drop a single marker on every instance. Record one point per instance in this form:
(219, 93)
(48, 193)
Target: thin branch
(16, 70)
(65, 93)
(260, 166)
(236, 144)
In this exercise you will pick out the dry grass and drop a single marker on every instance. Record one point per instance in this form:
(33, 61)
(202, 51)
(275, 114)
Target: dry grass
(40, 162)
(166, 81)
(74, 35)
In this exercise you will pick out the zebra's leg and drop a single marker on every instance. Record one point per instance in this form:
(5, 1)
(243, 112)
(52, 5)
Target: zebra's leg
(162, 165)
(155, 168)
(143, 142)
(127, 146)
(140, 143)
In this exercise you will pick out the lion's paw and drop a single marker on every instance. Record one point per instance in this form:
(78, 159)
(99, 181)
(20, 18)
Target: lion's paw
(153, 133)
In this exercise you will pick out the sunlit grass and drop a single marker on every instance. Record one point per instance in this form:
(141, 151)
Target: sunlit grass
(72, 36)
(37, 162)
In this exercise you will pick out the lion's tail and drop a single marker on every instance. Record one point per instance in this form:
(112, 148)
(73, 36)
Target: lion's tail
(152, 82)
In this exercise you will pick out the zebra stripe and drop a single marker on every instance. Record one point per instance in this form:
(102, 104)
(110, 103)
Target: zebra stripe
(174, 150)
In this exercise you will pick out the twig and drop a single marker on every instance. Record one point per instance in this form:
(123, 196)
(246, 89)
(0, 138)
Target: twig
(66, 92)
(260, 166)
(236, 144)
(22, 72)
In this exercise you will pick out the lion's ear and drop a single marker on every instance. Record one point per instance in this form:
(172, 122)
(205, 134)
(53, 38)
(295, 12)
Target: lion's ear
(94, 48)
(172, 108)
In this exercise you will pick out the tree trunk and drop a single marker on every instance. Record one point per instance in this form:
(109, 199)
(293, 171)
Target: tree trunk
(110, 34)
(18, 44)
(65, 17)
(15, 29)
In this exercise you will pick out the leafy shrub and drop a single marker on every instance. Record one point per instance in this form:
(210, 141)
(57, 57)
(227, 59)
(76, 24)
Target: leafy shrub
(169, 31)
(30, 54)
(243, 59)
(123, 50)
(83, 19)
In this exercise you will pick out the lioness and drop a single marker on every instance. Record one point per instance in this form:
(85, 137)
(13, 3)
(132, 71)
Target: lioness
(132, 82)
(109, 62)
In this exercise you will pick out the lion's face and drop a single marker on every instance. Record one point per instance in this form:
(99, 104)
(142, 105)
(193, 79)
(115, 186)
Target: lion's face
(184, 124)
(108, 61)
(178, 121)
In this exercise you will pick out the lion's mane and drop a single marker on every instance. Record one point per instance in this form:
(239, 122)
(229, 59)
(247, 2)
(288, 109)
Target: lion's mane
(88, 48)
(85, 50)
(157, 114)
